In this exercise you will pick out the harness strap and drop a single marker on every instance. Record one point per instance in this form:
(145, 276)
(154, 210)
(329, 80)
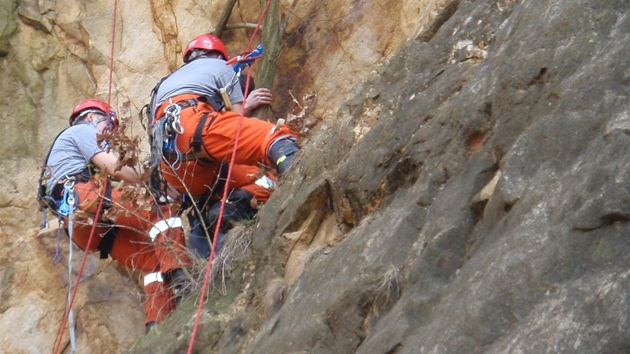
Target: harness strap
(189, 156)
(107, 202)
(181, 104)
(46, 203)
(107, 242)
(188, 103)
(199, 152)
(197, 142)
(220, 183)
(83, 176)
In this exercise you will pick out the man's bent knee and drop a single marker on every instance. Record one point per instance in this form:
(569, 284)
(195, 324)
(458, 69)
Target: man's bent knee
(281, 153)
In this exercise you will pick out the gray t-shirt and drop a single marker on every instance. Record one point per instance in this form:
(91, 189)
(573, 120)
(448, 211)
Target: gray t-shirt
(72, 151)
(202, 76)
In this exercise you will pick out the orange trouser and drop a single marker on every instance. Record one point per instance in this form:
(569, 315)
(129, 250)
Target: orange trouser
(191, 178)
(256, 136)
(151, 241)
(245, 177)
(203, 180)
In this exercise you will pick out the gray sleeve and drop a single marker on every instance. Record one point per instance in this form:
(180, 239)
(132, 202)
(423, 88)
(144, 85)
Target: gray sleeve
(87, 143)
(72, 151)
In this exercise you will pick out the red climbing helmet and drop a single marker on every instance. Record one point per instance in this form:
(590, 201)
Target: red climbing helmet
(94, 105)
(206, 42)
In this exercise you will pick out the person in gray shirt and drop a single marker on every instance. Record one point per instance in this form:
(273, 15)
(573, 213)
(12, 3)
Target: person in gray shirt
(197, 114)
(147, 237)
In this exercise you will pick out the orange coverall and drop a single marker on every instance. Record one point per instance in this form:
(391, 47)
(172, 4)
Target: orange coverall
(218, 137)
(151, 241)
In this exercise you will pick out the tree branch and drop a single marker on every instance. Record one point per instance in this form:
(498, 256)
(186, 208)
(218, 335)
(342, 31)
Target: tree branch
(225, 17)
(232, 26)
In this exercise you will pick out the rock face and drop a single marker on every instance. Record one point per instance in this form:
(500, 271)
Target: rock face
(54, 54)
(468, 195)
(538, 98)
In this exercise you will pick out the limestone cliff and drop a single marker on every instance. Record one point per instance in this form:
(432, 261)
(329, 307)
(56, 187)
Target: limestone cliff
(464, 191)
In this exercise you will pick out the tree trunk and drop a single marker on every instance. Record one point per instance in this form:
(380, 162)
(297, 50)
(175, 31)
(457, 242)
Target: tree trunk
(271, 38)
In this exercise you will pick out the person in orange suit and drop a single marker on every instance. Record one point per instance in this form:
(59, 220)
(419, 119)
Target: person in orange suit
(150, 239)
(196, 116)
(248, 187)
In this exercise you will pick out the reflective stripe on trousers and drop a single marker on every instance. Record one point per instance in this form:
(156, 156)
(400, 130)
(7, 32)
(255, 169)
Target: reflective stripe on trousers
(163, 225)
(152, 278)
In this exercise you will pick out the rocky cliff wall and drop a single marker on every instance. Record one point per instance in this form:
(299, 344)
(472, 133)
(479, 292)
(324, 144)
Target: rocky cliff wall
(484, 210)
(471, 198)
(54, 54)
(466, 191)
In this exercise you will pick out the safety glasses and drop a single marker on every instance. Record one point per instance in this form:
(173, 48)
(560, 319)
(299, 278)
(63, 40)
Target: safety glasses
(113, 123)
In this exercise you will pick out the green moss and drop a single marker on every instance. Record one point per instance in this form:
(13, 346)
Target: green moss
(605, 250)
(8, 25)
(5, 281)
(600, 24)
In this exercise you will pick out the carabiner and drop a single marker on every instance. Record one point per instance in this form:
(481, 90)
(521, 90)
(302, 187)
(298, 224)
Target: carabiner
(176, 126)
(172, 110)
(69, 186)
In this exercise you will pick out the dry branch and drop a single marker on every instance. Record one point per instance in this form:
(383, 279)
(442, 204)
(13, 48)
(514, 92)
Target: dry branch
(225, 17)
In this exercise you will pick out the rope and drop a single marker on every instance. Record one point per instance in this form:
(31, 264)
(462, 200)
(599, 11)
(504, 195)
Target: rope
(225, 195)
(96, 217)
(73, 340)
(83, 261)
(111, 58)
(57, 256)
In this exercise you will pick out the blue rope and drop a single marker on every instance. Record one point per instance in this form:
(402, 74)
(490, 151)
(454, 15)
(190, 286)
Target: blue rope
(44, 218)
(57, 257)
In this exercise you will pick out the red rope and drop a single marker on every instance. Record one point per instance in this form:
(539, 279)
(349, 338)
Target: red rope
(100, 204)
(111, 59)
(206, 279)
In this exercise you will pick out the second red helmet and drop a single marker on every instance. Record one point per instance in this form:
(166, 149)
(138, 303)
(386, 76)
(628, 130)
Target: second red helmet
(94, 105)
(206, 42)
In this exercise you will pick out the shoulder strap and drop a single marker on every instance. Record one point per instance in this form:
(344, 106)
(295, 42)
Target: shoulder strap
(197, 141)
(41, 190)
(152, 104)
